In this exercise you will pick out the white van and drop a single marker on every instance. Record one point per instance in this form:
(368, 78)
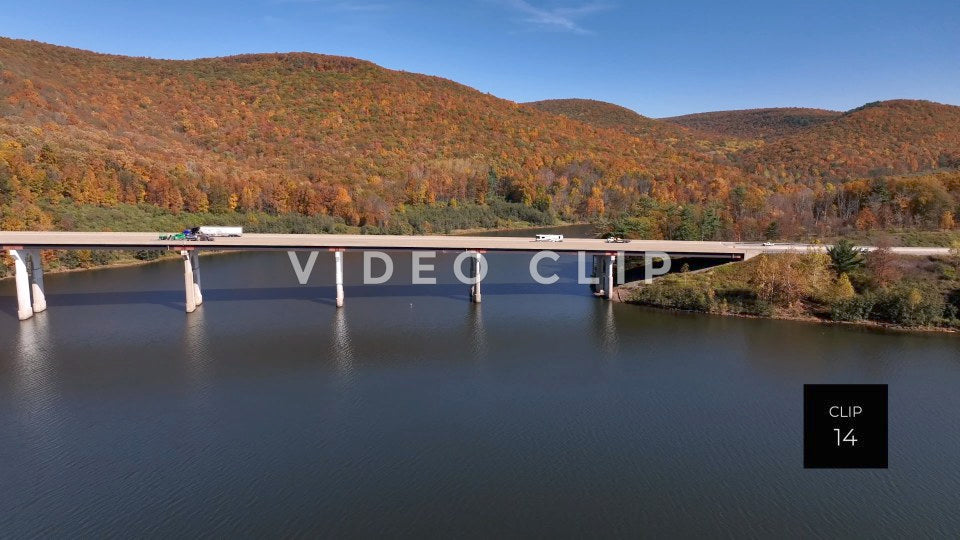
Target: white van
(549, 238)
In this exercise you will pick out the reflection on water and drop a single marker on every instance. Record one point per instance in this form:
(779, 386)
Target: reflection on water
(342, 351)
(34, 377)
(34, 357)
(478, 334)
(607, 329)
(413, 412)
(198, 351)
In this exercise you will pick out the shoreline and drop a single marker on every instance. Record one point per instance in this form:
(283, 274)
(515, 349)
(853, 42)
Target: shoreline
(123, 264)
(865, 324)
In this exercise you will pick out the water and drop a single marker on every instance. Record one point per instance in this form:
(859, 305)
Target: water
(412, 412)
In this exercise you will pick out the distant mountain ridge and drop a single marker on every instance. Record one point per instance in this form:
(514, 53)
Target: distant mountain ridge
(755, 123)
(609, 115)
(886, 137)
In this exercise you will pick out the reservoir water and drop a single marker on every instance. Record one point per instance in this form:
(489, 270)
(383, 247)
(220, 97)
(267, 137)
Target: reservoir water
(412, 412)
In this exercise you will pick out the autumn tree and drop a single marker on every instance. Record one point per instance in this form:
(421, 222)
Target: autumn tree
(882, 263)
(955, 255)
(785, 279)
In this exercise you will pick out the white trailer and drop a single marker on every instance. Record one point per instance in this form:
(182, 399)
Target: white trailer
(549, 238)
(221, 231)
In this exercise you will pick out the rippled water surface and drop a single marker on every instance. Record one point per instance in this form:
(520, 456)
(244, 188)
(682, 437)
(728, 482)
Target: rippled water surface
(413, 412)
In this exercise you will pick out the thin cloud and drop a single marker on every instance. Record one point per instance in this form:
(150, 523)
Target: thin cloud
(563, 19)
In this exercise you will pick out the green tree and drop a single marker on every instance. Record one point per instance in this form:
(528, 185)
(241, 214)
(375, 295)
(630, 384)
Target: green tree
(710, 223)
(772, 232)
(688, 229)
(492, 184)
(542, 202)
(845, 257)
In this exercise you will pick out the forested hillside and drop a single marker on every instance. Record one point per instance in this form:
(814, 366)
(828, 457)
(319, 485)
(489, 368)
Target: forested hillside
(890, 137)
(271, 140)
(305, 133)
(754, 123)
(608, 115)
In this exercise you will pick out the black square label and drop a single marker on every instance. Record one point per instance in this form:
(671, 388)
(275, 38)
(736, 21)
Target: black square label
(845, 426)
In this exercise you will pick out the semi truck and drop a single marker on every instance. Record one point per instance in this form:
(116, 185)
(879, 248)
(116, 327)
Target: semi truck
(549, 238)
(220, 231)
(203, 234)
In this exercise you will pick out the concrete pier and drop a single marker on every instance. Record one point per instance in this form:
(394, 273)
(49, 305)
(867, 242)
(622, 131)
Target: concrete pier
(36, 281)
(595, 273)
(609, 261)
(24, 308)
(602, 286)
(195, 267)
(603, 270)
(338, 257)
(599, 273)
(190, 287)
(475, 274)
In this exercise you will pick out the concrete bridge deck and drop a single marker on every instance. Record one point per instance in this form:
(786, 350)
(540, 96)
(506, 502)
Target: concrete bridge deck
(306, 242)
(286, 242)
(25, 248)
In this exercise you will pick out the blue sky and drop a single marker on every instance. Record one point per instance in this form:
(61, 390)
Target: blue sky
(658, 58)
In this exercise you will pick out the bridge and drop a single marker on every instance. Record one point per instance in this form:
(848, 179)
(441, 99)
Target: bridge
(25, 247)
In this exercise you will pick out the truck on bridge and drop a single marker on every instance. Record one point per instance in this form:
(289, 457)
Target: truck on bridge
(204, 234)
(549, 238)
(220, 231)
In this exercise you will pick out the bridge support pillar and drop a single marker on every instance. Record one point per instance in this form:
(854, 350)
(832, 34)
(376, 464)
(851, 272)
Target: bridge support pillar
(24, 309)
(338, 256)
(603, 264)
(36, 281)
(190, 287)
(195, 268)
(608, 291)
(603, 269)
(598, 269)
(474, 273)
(595, 273)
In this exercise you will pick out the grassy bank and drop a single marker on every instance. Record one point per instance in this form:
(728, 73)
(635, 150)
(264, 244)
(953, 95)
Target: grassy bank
(903, 238)
(912, 292)
(425, 219)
